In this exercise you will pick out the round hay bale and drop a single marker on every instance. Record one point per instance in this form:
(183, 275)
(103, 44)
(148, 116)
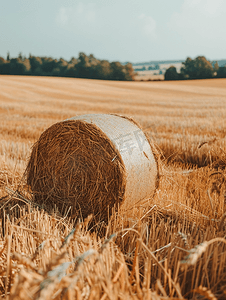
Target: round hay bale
(93, 163)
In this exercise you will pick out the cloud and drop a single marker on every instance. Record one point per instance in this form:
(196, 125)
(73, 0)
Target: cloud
(207, 8)
(199, 17)
(80, 8)
(62, 16)
(199, 28)
(78, 14)
(87, 11)
(148, 25)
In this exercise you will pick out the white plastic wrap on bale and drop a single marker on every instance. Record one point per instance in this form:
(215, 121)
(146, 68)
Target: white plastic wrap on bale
(136, 152)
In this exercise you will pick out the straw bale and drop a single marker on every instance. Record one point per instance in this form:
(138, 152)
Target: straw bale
(76, 164)
(71, 164)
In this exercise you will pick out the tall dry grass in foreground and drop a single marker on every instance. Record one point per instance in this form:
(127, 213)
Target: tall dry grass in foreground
(45, 257)
(170, 247)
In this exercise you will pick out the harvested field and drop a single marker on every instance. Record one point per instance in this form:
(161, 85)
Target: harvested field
(170, 247)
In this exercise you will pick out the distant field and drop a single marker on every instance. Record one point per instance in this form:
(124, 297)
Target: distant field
(177, 115)
(187, 122)
(148, 75)
(170, 110)
(154, 74)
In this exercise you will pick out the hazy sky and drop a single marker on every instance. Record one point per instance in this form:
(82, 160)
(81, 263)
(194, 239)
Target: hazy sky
(123, 30)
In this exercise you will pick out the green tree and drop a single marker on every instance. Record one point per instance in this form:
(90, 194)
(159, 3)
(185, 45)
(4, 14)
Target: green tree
(118, 72)
(216, 67)
(171, 74)
(71, 70)
(93, 63)
(35, 62)
(56, 72)
(73, 61)
(48, 64)
(2, 61)
(199, 68)
(19, 67)
(38, 71)
(130, 74)
(62, 63)
(204, 68)
(221, 73)
(27, 65)
(4, 66)
(83, 65)
(188, 70)
(61, 67)
(103, 70)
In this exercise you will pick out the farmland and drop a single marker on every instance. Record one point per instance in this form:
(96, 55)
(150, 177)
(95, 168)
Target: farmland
(148, 71)
(186, 122)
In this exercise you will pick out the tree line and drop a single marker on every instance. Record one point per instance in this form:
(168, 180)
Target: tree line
(198, 68)
(85, 66)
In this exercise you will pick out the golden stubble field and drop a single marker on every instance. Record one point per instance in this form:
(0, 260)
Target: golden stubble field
(174, 247)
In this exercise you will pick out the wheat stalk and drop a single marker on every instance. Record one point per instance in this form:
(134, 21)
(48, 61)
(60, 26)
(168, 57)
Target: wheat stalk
(198, 250)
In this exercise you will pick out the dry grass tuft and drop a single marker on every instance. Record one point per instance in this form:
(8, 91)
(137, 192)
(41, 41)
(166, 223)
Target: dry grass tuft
(53, 267)
(47, 257)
